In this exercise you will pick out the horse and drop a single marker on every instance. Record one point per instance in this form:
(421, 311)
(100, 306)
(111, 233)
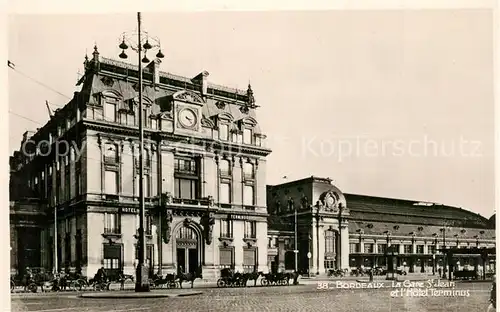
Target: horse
(290, 275)
(252, 276)
(189, 277)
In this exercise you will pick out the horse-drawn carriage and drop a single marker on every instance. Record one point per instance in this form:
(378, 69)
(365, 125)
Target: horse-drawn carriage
(278, 279)
(229, 278)
(174, 280)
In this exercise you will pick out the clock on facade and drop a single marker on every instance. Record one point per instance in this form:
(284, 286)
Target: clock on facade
(187, 118)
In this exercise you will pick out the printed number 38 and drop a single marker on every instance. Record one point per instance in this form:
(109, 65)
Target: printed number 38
(322, 286)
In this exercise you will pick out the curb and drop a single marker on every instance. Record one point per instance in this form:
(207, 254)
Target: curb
(134, 295)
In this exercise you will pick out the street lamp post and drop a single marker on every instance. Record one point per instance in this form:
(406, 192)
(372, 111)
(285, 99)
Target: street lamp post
(434, 255)
(445, 257)
(296, 251)
(341, 208)
(318, 218)
(142, 281)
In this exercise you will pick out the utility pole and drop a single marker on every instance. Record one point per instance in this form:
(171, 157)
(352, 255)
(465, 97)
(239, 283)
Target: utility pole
(142, 281)
(55, 237)
(296, 250)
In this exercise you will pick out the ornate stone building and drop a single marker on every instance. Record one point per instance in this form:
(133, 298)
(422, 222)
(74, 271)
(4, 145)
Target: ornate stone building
(341, 230)
(204, 183)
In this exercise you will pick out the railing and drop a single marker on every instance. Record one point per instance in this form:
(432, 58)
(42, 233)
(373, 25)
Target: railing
(110, 159)
(112, 231)
(189, 201)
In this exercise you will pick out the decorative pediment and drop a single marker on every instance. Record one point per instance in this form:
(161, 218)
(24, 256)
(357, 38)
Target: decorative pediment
(330, 201)
(249, 121)
(205, 122)
(188, 96)
(225, 116)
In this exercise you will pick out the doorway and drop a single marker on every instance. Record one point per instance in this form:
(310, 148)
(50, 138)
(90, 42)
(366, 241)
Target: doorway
(187, 250)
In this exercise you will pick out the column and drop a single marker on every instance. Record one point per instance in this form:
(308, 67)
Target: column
(345, 247)
(314, 248)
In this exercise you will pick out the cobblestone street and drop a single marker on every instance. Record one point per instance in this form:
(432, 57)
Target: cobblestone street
(292, 298)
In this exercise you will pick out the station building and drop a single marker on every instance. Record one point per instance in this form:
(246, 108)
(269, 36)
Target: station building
(337, 230)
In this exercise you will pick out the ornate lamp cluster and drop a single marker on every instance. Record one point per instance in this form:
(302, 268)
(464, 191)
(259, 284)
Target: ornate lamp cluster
(136, 46)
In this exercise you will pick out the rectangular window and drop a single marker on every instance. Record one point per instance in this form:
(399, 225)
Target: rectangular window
(223, 132)
(395, 247)
(225, 193)
(224, 167)
(431, 249)
(353, 247)
(329, 242)
(420, 249)
(382, 248)
(368, 248)
(249, 260)
(109, 111)
(148, 226)
(250, 229)
(130, 120)
(111, 223)
(145, 185)
(112, 257)
(329, 264)
(248, 173)
(226, 257)
(185, 166)
(247, 136)
(78, 178)
(226, 228)
(258, 141)
(145, 118)
(111, 154)
(408, 249)
(185, 188)
(248, 198)
(111, 182)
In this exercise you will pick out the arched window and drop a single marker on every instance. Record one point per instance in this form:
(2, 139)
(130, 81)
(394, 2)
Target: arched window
(329, 241)
(186, 233)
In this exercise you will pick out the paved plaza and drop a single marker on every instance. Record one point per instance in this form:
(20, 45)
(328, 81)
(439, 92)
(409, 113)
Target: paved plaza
(292, 298)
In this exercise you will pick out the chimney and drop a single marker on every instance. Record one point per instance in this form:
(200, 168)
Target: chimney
(154, 68)
(202, 80)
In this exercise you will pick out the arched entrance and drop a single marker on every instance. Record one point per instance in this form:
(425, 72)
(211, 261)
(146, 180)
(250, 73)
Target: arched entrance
(187, 250)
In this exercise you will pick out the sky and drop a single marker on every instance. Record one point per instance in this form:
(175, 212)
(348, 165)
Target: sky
(386, 103)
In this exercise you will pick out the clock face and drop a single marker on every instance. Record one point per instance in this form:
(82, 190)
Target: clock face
(187, 118)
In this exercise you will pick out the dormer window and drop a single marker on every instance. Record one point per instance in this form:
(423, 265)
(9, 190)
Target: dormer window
(224, 132)
(247, 136)
(109, 110)
(237, 138)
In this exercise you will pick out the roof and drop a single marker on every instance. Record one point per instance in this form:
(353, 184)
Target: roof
(420, 230)
(372, 208)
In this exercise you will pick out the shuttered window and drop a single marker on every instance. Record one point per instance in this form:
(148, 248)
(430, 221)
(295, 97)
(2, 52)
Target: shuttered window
(226, 257)
(249, 256)
(249, 260)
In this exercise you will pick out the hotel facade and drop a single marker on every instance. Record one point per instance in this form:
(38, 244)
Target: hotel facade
(207, 203)
(204, 179)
